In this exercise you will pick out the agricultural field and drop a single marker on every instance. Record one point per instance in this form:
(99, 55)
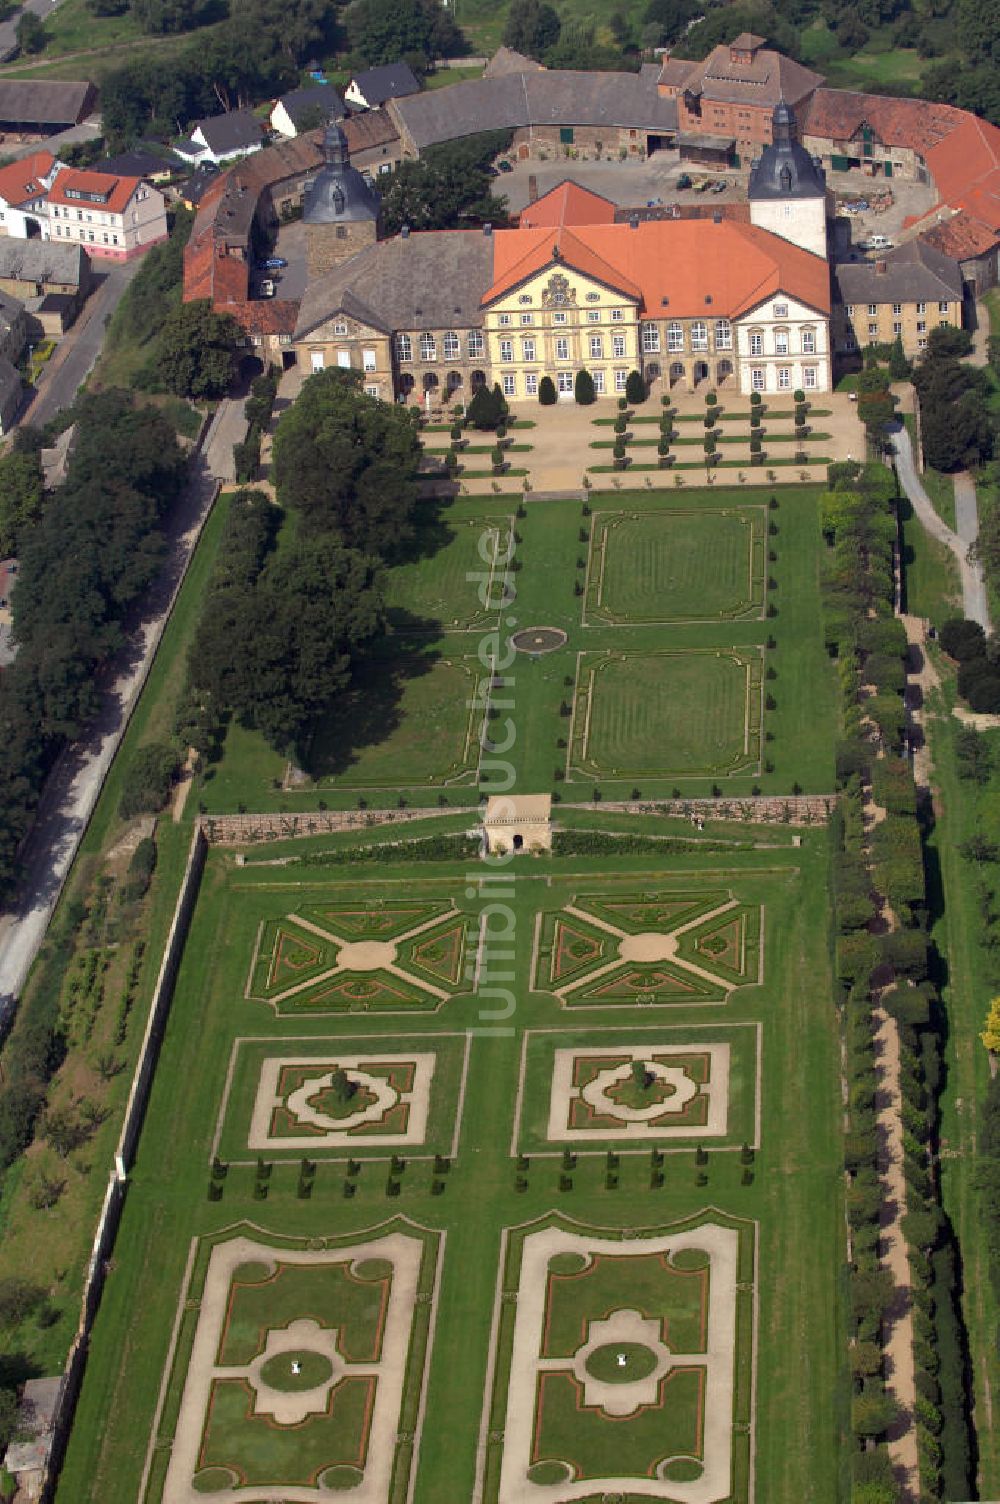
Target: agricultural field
(689, 655)
(527, 1215)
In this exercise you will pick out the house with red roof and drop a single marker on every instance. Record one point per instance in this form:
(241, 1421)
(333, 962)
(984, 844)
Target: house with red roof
(24, 187)
(114, 218)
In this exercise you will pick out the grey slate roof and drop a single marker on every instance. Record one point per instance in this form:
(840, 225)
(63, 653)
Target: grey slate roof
(45, 102)
(42, 261)
(133, 164)
(237, 130)
(390, 81)
(785, 170)
(914, 273)
(300, 104)
(768, 78)
(338, 192)
(550, 97)
(432, 280)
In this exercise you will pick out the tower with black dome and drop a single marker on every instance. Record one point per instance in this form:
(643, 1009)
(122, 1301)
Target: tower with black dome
(787, 189)
(340, 209)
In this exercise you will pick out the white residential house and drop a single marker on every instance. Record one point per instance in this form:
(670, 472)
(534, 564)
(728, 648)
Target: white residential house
(24, 188)
(305, 109)
(222, 138)
(113, 218)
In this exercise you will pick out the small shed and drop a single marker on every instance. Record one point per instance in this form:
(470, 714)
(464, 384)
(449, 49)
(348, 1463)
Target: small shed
(518, 822)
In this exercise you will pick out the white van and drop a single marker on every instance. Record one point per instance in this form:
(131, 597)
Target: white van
(877, 243)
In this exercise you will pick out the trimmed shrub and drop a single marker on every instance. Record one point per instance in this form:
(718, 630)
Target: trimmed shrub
(962, 640)
(547, 392)
(583, 388)
(636, 390)
(140, 871)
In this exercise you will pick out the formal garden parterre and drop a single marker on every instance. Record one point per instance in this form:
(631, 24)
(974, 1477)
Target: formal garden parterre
(529, 1130)
(702, 675)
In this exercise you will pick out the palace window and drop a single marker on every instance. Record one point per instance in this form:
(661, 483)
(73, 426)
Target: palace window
(723, 334)
(564, 381)
(675, 337)
(897, 327)
(507, 349)
(872, 310)
(531, 384)
(784, 378)
(593, 315)
(560, 318)
(504, 320)
(921, 326)
(474, 343)
(428, 347)
(404, 348)
(618, 346)
(617, 315)
(897, 309)
(809, 342)
(943, 306)
(781, 341)
(562, 349)
(921, 307)
(509, 384)
(757, 379)
(598, 382)
(756, 343)
(451, 345)
(527, 318)
(596, 347)
(699, 335)
(368, 360)
(621, 380)
(650, 339)
(528, 349)
(809, 377)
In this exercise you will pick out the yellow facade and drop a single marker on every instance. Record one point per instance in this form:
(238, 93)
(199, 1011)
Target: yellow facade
(856, 325)
(556, 323)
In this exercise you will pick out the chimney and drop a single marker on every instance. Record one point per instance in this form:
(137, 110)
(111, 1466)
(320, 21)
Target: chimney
(487, 229)
(881, 267)
(532, 188)
(404, 233)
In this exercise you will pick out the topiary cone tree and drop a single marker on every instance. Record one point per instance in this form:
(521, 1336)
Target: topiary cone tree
(547, 392)
(583, 388)
(636, 390)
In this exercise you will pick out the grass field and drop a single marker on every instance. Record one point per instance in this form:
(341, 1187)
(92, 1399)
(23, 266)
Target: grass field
(669, 714)
(674, 566)
(405, 724)
(791, 1194)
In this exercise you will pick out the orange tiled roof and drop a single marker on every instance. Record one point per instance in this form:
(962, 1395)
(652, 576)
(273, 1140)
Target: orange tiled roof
(266, 316)
(568, 204)
(915, 123)
(960, 236)
(119, 190)
(691, 267)
(21, 181)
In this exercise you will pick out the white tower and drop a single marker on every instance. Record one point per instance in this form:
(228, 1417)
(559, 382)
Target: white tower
(788, 188)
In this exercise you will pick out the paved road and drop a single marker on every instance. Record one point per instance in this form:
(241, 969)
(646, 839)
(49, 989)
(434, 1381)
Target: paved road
(78, 351)
(974, 598)
(72, 791)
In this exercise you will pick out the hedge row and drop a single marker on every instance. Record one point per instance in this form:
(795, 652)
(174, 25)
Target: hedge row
(888, 871)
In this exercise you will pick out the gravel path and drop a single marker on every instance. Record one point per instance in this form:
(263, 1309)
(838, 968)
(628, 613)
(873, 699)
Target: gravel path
(967, 525)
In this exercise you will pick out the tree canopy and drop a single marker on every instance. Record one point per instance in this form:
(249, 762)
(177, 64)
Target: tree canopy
(345, 464)
(197, 350)
(447, 188)
(532, 27)
(383, 31)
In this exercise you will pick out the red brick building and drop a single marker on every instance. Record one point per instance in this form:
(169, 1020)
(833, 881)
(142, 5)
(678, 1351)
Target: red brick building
(725, 103)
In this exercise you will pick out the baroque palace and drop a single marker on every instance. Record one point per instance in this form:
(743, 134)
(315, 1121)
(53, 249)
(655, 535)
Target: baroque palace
(573, 287)
(742, 295)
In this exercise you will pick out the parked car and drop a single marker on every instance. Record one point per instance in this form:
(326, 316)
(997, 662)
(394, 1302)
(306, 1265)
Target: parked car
(505, 166)
(720, 186)
(275, 263)
(267, 288)
(684, 181)
(877, 243)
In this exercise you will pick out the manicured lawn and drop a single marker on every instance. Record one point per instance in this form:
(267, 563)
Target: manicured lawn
(676, 566)
(793, 1194)
(933, 587)
(671, 714)
(450, 582)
